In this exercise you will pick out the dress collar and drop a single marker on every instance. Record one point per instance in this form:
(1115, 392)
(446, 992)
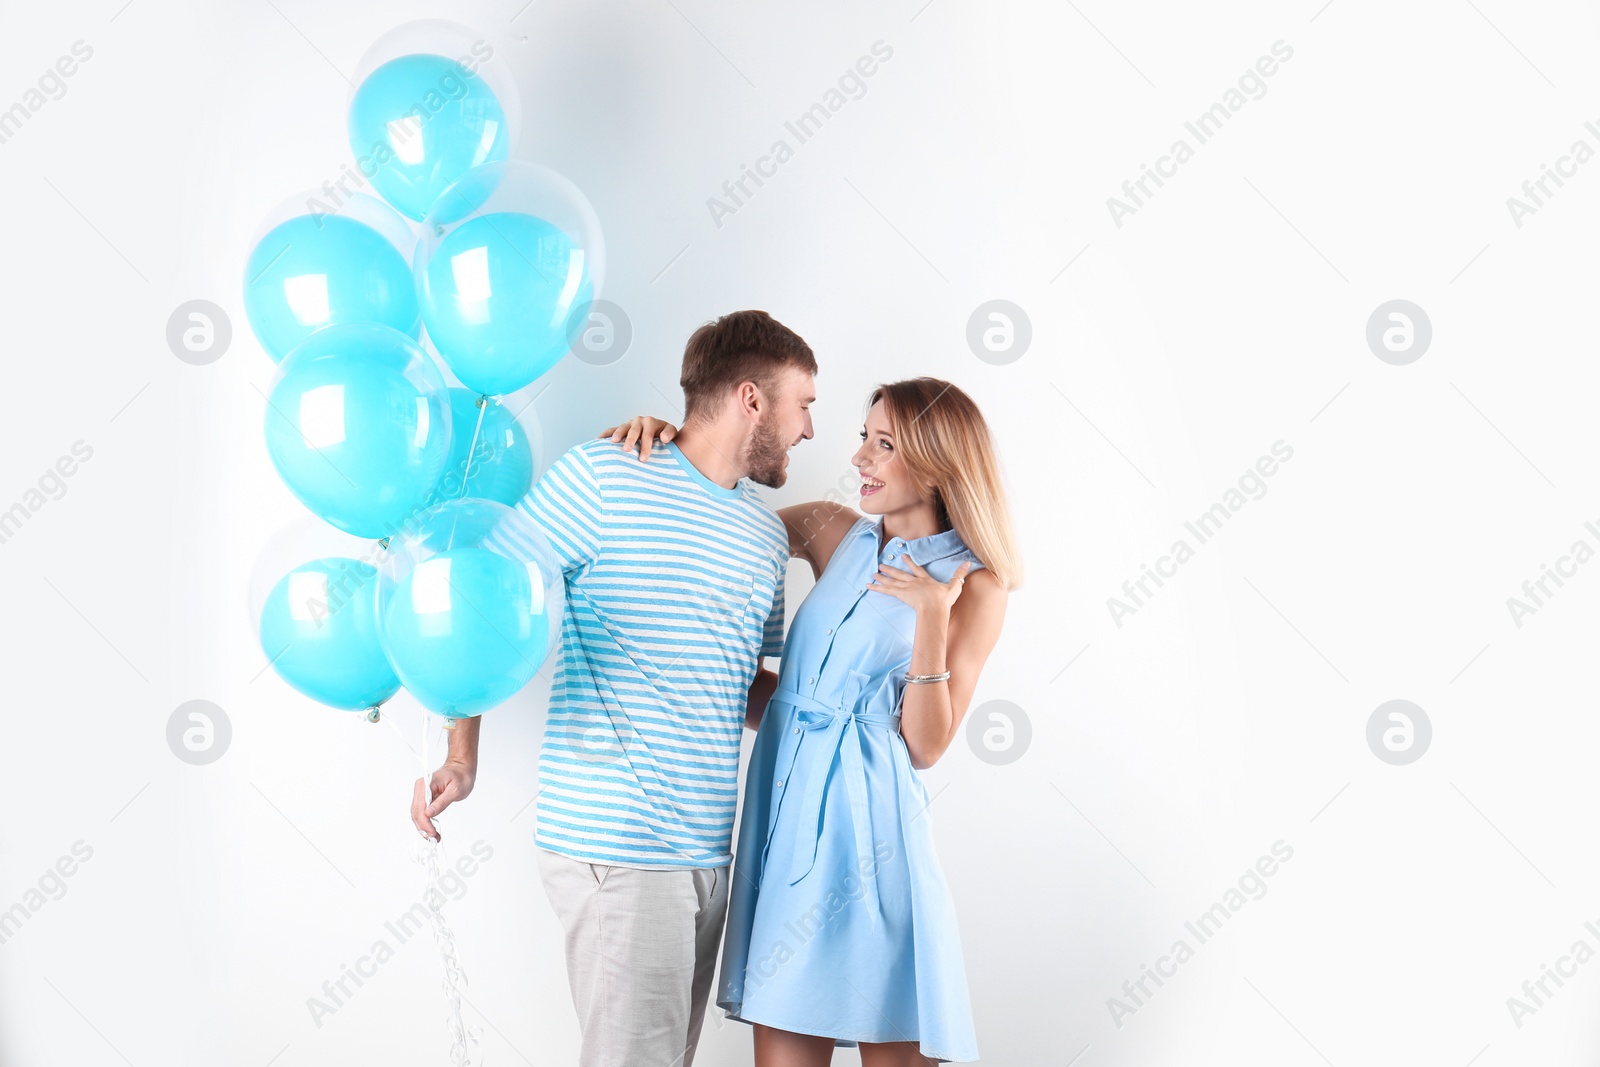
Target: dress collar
(923, 550)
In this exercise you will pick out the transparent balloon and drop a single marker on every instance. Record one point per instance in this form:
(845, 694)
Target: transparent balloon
(432, 100)
(469, 606)
(358, 425)
(523, 407)
(318, 260)
(506, 456)
(507, 256)
(313, 607)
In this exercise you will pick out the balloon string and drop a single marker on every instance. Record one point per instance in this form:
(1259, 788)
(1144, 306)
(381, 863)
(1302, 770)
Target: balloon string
(433, 902)
(483, 404)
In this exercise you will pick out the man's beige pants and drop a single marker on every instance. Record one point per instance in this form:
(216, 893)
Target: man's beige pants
(641, 952)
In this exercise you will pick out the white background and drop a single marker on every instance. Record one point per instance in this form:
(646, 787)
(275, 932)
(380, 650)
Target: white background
(1167, 754)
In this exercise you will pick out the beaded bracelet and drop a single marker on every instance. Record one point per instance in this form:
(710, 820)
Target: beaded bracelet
(918, 679)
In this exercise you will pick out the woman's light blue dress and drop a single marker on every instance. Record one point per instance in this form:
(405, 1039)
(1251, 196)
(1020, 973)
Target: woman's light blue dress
(839, 920)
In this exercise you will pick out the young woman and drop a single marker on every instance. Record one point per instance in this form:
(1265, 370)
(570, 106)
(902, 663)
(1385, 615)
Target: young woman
(841, 930)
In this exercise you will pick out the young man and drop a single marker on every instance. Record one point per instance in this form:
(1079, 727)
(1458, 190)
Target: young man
(674, 578)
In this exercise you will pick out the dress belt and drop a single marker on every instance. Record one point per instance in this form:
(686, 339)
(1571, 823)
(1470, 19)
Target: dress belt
(840, 729)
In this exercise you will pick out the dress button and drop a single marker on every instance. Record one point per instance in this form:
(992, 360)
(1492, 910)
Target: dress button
(780, 783)
(811, 681)
(891, 555)
(830, 629)
(797, 729)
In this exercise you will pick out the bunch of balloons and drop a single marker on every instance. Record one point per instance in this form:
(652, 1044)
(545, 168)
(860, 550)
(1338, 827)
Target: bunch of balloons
(415, 568)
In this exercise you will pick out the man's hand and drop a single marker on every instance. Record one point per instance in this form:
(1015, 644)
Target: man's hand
(451, 782)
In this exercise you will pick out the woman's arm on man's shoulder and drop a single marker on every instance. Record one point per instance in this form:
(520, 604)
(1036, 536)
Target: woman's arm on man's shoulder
(815, 530)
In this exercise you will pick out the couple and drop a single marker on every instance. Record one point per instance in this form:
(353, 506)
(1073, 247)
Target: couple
(840, 929)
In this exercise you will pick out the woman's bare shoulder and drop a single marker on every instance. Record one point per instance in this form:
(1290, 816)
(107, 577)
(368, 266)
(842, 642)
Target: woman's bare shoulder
(816, 528)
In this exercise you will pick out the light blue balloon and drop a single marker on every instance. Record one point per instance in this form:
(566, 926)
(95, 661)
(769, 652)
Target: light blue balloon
(311, 272)
(466, 616)
(497, 294)
(502, 463)
(418, 123)
(319, 629)
(358, 427)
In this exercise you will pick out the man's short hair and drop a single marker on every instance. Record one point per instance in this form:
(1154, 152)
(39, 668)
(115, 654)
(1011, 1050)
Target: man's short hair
(742, 346)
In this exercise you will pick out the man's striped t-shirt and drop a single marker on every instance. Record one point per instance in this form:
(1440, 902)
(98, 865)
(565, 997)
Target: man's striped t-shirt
(674, 591)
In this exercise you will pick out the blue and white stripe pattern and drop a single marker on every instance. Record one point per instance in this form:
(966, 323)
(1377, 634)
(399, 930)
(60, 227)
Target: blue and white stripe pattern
(674, 589)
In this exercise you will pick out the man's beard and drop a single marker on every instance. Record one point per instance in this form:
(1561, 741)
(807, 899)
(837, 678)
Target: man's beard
(763, 456)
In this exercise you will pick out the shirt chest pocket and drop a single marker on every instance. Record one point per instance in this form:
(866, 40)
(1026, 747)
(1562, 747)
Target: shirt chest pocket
(729, 603)
(763, 587)
(757, 606)
(719, 599)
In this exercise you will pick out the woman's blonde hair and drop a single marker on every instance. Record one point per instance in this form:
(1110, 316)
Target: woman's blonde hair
(942, 438)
